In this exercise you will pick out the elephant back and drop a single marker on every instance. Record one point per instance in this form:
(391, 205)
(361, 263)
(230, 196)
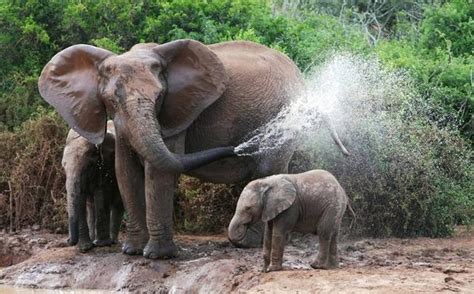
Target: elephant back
(261, 82)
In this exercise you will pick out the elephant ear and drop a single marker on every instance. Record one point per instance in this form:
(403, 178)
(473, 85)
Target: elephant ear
(69, 82)
(196, 78)
(278, 199)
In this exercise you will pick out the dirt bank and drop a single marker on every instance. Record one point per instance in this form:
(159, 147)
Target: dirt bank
(212, 265)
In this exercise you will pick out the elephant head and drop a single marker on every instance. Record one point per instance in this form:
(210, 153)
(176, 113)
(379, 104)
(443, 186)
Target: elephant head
(152, 92)
(260, 201)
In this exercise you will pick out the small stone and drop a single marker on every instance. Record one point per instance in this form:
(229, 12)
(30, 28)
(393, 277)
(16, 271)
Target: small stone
(35, 227)
(165, 275)
(350, 248)
(454, 270)
(448, 279)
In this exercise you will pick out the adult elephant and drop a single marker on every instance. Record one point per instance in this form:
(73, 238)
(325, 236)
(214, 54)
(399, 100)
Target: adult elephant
(176, 107)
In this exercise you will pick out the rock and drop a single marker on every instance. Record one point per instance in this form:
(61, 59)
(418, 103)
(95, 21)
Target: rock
(454, 271)
(448, 279)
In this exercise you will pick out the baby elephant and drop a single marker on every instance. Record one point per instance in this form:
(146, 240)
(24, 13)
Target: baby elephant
(310, 202)
(94, 204)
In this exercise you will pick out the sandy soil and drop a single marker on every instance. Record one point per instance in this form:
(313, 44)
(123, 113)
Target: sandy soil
(212, 265)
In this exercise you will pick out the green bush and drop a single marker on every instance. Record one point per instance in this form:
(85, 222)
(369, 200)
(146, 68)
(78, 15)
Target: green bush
(406, 175)
(438, 54)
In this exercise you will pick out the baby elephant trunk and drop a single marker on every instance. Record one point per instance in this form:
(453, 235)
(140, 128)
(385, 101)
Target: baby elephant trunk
(246, 236)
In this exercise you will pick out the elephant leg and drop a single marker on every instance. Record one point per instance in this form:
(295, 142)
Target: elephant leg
(115, 221)
(102, 223)
(85, 243)
(159, 191)
(73, 213)
(333, 260)
(321, 261)
(267, 245)
(130, 178)
(278, 246)
(91, 218)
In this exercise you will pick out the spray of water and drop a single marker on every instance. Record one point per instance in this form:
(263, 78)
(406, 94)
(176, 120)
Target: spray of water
(408, 172)
(342, 88)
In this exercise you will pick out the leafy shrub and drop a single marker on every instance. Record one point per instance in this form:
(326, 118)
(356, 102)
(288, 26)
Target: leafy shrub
(31, 164)
(440, 60)
(406, 175)
(203, 207)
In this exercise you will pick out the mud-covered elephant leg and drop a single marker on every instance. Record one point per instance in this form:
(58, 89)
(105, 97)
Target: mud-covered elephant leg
(278, 245)
(116, 216)
(159, 202)
(333, 259)
(102, 208)
(267, 245)
(321, 261)
(85, 243)
(327, 231)
(91, 217)
(130, 178)
(73, 212)
(77, 211)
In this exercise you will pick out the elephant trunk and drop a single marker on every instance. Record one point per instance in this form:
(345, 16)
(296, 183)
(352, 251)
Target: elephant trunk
(245, 235)
(236, 230)
(145, 137)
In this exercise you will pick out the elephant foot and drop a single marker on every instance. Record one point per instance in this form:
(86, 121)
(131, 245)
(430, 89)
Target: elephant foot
(71, 242)
(274, 268)
(132, 249)
(265, 267)
(134, 244)
(85, 246)
(324, 266)
(103, 242)
(161, 250)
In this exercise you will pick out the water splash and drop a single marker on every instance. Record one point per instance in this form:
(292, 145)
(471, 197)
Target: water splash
(338, 90)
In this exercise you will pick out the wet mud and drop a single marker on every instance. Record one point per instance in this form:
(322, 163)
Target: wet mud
(210, 264)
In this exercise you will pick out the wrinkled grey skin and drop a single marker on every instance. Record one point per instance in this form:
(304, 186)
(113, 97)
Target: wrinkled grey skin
(310, 202)
(178, 108)
(94, 204)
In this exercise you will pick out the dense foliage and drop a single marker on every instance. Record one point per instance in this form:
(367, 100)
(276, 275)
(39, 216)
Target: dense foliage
(425, 192)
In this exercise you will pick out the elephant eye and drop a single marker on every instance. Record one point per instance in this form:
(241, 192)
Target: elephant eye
(106, 69)
(156, 66)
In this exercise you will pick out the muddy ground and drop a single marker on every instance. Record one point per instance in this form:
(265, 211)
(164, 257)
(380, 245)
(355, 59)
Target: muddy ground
(212, 265)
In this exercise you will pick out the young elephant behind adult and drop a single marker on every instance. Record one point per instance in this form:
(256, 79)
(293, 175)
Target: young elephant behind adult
(310, 202)
(94, 204)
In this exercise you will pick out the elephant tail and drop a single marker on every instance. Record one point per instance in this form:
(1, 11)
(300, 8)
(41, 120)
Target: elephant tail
(327, 121)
